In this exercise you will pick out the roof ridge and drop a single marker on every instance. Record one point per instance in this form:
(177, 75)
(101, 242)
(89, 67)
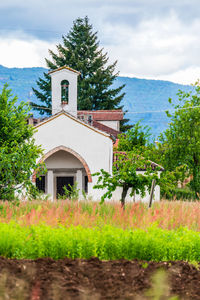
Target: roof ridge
(64, 67)
(75, 119)
(103, 110)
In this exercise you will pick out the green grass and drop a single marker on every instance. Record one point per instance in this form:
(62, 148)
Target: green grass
(106, 242)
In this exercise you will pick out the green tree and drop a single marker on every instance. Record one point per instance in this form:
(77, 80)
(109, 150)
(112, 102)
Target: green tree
(180, 143)
(136, 137)
(125, 175)
(80, 51)
(18, 153)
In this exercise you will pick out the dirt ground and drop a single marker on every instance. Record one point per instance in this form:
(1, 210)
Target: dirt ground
(94, 279)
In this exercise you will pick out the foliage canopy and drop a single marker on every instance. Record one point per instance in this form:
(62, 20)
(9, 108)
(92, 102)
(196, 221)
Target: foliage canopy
(180, 143)
(125, 175)
(136, 137)
(18, 152)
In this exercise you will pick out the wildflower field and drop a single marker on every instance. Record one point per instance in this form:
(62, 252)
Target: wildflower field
(165, 214)
(167, 231)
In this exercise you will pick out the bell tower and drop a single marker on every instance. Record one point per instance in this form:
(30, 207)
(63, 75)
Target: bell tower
(64, 90)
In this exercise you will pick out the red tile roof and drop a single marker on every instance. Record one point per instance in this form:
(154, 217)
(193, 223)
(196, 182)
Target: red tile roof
(111, 115)
(105, 128)
(153, 164)
(103, 115)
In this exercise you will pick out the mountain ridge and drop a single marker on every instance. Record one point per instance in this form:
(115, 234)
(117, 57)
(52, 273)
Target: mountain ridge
(145, 99)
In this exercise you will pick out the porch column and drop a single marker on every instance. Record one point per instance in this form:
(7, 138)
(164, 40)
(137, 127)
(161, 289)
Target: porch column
(50, 189)
(79, 180)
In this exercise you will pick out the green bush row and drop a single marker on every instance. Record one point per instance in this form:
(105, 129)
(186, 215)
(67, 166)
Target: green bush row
(106, 243)
(179, 194)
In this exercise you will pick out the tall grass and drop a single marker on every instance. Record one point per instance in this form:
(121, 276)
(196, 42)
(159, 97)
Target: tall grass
(166, 215)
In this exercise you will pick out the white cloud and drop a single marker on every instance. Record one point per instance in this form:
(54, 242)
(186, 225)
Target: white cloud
(186, 76)
(157, 48)
(16, 52)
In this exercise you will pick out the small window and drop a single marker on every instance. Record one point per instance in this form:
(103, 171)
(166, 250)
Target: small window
(40, 183)
(65, 91)
(90, 119)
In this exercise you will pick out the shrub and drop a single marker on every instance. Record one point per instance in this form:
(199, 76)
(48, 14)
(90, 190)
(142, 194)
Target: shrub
(178, 194)
(72, 193)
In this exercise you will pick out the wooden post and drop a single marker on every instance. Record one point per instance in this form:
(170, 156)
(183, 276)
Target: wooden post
(152, 191)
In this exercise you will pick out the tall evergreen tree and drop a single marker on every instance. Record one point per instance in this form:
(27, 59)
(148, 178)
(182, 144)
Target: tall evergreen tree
(80, 51)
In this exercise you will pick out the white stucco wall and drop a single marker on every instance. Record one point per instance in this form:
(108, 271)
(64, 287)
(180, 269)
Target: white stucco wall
(56, 79)
(62, 160)
(95, 148)
(137, 198)
(111, 124)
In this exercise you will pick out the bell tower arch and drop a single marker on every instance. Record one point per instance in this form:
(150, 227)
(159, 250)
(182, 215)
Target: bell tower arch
(64, 90)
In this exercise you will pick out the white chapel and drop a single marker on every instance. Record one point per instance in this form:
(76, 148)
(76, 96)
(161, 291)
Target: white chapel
(76, 144)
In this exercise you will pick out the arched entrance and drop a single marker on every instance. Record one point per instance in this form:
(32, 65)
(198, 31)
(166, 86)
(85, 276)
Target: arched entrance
(64, 167)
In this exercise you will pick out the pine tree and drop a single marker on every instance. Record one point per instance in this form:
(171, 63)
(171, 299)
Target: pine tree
(80, 51)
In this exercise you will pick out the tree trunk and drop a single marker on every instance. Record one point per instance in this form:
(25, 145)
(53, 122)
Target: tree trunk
(152, 191)
(124, 193)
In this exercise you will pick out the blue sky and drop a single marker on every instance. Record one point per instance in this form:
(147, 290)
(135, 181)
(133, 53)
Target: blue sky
(149, 38)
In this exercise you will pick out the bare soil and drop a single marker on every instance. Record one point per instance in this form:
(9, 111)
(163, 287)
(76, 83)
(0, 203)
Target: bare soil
(45, 279)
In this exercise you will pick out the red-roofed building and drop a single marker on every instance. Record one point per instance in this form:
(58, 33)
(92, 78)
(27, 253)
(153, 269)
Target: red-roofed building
(76, 144)
(105, 120)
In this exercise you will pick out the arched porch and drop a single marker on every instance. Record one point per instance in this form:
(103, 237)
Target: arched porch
(64, 167)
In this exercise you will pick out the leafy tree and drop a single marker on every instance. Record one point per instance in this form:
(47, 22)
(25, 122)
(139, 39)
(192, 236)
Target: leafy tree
(180, 143)
(133, 154)
(18, 153)
(136, 137)
(125, 175)
(80, 51)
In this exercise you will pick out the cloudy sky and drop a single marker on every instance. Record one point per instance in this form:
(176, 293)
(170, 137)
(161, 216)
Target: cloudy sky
(149, 38)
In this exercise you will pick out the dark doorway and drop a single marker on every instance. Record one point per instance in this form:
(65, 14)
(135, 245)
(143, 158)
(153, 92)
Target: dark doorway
(61, 182)
(40, 183)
